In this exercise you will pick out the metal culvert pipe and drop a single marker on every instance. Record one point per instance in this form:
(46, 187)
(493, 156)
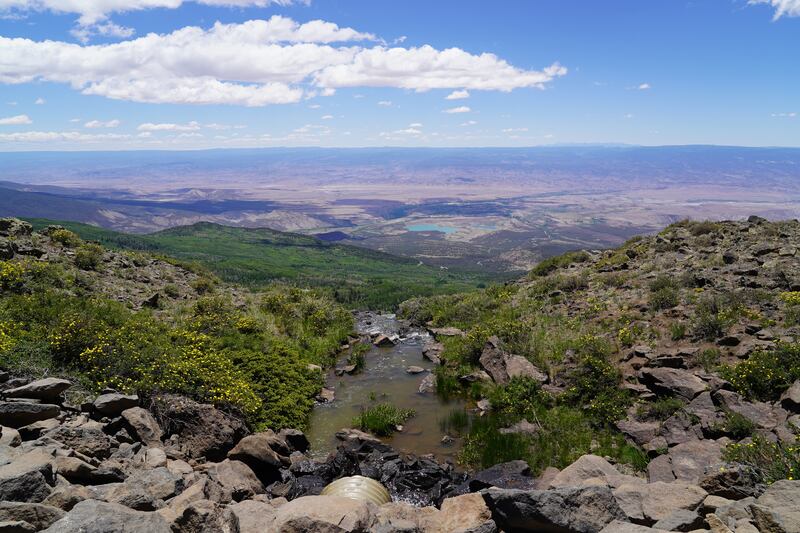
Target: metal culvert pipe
(358, 488)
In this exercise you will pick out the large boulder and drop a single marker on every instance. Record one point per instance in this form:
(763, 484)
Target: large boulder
(502, 366)
(113, 403)
(591, 470)
(509, 475)
(257, 453)
(143, 426)
(672, 381)
(47, 389)
(650, 502)
(36, 514)
(460, 514)
(761, 414)
(87, 439)
(295, 438)
(93, 516)
(575, 509)
(778, 509)
(686, 462)
(324, 514)
(249, 516)
(790, 399)
(238, 481)
(18, 414)
(198, 430)
(28, 478)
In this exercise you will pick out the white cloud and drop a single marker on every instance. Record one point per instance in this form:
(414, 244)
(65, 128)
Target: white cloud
(790, 8)
(459, 109)
(785, 115)
(514, 130)
(630, 115)
(457, 95)
(326, 117)
(102, 124)
(385, 103)
(643, 86)
(255, 63)
(40, 101)
(468, 123)
(74, 120)
(314, 106)
(18, 120)
(106, 29)
(149, 126)
(92, 11)
(55, 136)
(415, 125)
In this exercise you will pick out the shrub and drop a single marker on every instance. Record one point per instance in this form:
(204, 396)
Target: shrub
(551, 264)
(202, 285)
(770, 461)
(382, 419)
(595, 388)
(89, 256)
(660, 409)
(677, 331)
(664, 298)
(714, 315)
(662, 282)
(737, 426)
(172, 290)
(765, 374)
(357, 356)
(703, 228)
(64, 237)
(708, 359)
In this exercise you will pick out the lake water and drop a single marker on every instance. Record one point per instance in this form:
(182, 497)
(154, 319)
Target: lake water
(384, 379)
(431, 227)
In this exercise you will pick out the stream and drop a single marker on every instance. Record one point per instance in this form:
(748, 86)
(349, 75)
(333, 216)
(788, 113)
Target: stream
(385, 379)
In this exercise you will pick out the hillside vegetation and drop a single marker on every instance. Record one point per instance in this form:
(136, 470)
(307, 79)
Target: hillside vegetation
(137, 323)
(353, 276)
(671, 348)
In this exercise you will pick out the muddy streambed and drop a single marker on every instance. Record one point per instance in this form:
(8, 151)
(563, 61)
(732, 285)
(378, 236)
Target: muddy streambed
(385, 379)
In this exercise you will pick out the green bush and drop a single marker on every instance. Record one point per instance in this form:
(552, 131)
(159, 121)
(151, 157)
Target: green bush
(660, 409)
(382, 419)
(708, 359)
(765, 374)
(89, 257)
(770, 461)
(551, 264)
(664, 298)
(357, 356)
(663, 282)
(737, 426)
(64, 237)
(714, 315)
(677, 331)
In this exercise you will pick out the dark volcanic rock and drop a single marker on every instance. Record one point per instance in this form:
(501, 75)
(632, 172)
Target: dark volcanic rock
(18, 414)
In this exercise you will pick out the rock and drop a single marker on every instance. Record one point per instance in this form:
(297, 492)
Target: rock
(18, 414)
(86, 439)
(523, 427)
(383, 340)
(502, 366)
(510, 475)
(680, 520)
(37, 429)
(583, 510)
(672, 381)
(761, 414)
(447, 332)
(296, 439)
(790, 399)
(326, 395)
(355, 435)
(332, 514)
(112, 404)
(144, 490)
(202, 430)
(717, 525)
(249, 516)
(143, 426)
(255, 451)
(238, 480)
(640, 432)
(778, 509)
(472, 377)
(729, 257)
(36, 514)
(12, 227)
(687, 461)
(432, 352)
(401, 517)
(650, 502)
(66, 496)
(459, 514)
(28, 478)
(9, 437)
(428, 384)
(74, 470)
(589, 469)
(48, 390)
(518, 366)
(92, 516)
(731, 482)
(202, 515)
(618, 526)
(415, 370)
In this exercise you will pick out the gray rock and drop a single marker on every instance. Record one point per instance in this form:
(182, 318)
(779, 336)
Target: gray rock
(591, 469)
(415, 370)
(650, 502)
(640, 432)
(48, 390)
(28, 478)
(38, 515)
(18, 414)
(92, 516)
(238, 481)
(617, 526)
(143, 426)
(86, 439)
(9, 437)
(778, 509)
(112, 404)
(681, 520)
(761, 414)
(687, 461)
(256, 452)
(16, 526)
(580, 510)
(428, 384)
(790, 399)
(673, 381)
(328, 514)
(296, 439)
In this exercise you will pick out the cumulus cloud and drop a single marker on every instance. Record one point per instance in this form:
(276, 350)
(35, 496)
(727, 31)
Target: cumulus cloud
(254, 63)
(457, 95)
(790, 8)
(643, 86)
(92, 11)
(40, 101)
(385, 103)
(102, 124)
(327, 117)
(791, 114)
(18, 120)
(459, 109)
(55, 136)
(515, 130)
(168, 126)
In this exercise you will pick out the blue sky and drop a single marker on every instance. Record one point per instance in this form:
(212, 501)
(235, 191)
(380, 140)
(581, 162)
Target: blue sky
(115, 74)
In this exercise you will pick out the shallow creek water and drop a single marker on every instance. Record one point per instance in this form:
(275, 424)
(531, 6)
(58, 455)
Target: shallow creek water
(385, 379)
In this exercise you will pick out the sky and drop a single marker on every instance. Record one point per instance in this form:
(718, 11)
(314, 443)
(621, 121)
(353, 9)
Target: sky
(192, 74)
